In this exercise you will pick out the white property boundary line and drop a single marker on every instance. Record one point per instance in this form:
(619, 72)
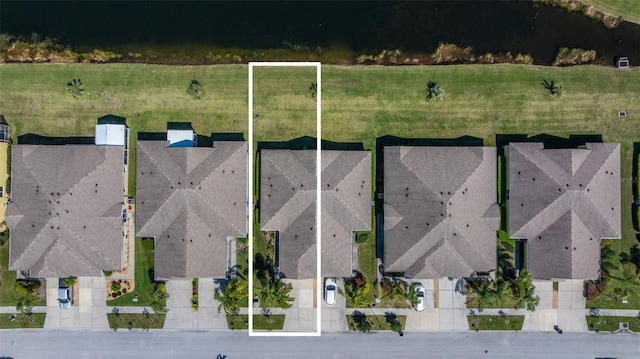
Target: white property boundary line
(318, 199)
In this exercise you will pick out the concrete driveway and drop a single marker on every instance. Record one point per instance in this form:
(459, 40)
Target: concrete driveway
(452, 307)
(571, 306)
(429, 319)
(302, 314)
(89, 310)
(334, 316)
(182, 316)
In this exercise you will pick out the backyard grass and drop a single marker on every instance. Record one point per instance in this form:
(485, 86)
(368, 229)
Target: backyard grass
(144, 257)
(8, 293)
(379, 322)
(628, 9)
(138, 321)
(259, 322)
(611, 324)
(22, 321)
(495, 322)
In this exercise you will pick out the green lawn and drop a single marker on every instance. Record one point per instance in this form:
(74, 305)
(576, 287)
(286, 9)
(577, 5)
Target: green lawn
(138, 321)
(610, 324)
(495, 322)
(628, 9)
(259, 322)
(502, 304)
(382, 322)
(8, 293)
(604, 302)
(144, 257)
(367, 263)
(22, 321)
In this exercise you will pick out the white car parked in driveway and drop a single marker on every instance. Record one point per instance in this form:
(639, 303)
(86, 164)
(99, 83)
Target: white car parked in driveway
(420, 304)
(330, 289)
(64, 298)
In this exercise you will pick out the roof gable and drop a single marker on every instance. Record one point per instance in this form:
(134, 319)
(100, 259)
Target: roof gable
(435, 213)
(66, 199)
(191, 199)
(573, 203)
(287, 205)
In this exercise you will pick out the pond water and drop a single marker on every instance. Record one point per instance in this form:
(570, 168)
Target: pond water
(487, 26)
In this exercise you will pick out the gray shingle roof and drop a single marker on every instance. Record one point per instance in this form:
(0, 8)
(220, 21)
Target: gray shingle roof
(440, 211)
(65, 214)
(571, 205)
(288, 205)
(191, 199)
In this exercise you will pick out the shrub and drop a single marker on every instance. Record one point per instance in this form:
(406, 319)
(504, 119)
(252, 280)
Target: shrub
(452, 53)
(566, 57)
(523, 59)
(115, 286)
(363, 237)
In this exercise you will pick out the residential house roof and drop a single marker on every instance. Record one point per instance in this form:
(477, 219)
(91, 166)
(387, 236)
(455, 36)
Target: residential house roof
(440, 211)
(288, 205)
(65, 210)
(564, 201)
(191, 199)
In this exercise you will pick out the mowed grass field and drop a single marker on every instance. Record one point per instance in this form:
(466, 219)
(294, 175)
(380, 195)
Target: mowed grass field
(628, 9)
(359, 103)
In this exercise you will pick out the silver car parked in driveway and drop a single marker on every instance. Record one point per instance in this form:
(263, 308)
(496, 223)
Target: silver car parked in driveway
(65, 299)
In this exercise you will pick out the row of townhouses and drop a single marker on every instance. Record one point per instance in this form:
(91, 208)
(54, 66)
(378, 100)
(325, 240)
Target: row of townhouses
(437, 214)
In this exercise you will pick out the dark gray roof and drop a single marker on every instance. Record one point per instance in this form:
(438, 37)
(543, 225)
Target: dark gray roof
(564, 201)
(440, 211)
(65, 210)
(288, 205)
(191, 199)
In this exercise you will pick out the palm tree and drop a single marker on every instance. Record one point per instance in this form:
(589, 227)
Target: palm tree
(525, 291)
(412, 294)
(75, 87)
(276, 291)
(623, 281)
(505, 262)
(159, 298)
(359, 295)
(234, 292)
(25, 300)
(552, 87)
(434, 91)
(195, 89)
(609, 259)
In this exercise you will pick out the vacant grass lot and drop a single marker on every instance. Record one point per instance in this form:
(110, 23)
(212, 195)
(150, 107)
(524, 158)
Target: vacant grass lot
(628, 9)
(359, 103)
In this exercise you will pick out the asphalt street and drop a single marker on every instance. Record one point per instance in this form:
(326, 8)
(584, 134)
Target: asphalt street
(180, 344)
